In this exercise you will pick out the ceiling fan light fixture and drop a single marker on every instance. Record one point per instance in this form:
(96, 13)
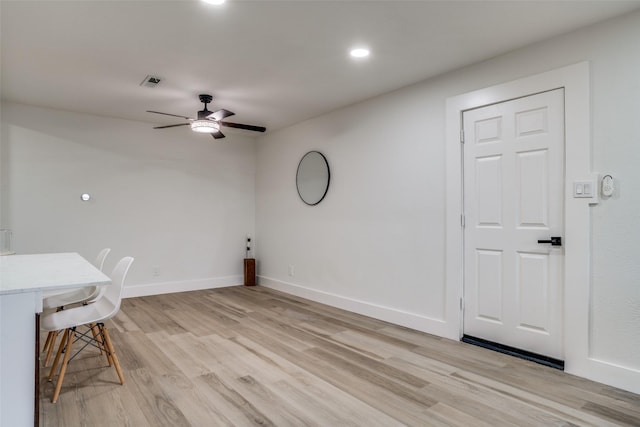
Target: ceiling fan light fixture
(205, 126)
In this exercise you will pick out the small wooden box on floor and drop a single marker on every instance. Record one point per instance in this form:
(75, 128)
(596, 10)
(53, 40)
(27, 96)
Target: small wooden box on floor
(249, 272)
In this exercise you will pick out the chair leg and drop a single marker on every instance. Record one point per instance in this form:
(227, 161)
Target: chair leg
(47, 342)
(63, 341)
(52, 345)
(102, 343)
(70, 333)
(112, 351)
(96, 336)
(50, 335)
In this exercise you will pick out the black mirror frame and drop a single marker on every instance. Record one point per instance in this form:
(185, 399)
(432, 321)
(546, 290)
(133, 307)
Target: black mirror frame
(328, 178)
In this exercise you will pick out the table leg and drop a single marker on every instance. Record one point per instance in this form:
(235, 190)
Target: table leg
(36, 403)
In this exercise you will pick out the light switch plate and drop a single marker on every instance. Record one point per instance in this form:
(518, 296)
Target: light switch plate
(587, 189)
(583, 189)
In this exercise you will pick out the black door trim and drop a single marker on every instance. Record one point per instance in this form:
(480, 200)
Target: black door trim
(522, 354)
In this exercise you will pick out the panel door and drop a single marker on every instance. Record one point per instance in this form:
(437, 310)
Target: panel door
(513, 197)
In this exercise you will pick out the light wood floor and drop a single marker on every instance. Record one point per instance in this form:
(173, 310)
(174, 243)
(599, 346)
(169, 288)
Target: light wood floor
(251, 356)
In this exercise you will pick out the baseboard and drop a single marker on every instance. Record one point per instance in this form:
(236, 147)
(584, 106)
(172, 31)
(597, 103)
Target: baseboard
(607, 373)
(146, 289)
(388, 314)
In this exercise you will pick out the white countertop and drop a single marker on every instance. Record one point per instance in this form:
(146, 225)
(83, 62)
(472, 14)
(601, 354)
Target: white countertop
(31, 273)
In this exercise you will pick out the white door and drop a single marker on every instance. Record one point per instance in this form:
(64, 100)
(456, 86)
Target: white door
(513, 197)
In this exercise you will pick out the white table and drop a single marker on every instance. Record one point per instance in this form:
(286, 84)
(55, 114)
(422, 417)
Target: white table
(23, 278)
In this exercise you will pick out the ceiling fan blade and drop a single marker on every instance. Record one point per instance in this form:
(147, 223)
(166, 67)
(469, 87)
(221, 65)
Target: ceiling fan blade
(167, 114)
(220, 114)
(171, 126)
(217, 135)
(242, 126)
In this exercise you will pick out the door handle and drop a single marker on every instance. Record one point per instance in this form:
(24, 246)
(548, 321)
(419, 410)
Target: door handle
(555, 241)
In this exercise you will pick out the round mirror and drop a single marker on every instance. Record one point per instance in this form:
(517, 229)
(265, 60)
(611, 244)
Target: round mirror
(312, 178)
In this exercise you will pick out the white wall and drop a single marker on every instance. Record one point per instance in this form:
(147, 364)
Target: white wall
(172, 199)
(376, 243)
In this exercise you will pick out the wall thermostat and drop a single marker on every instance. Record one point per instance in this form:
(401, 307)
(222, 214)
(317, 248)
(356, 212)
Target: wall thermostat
(607, 186)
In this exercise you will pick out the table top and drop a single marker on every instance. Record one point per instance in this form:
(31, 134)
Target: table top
(39, 272)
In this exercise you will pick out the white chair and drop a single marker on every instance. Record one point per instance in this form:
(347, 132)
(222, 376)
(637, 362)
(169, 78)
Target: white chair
(55, 299)
(92, 316)
(60, 299)
(102, 256)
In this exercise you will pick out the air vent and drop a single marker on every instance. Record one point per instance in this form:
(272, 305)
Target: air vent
(150, 81)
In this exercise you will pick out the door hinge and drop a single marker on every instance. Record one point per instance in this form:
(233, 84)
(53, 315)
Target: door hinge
(460, 304)
(462, 135)
(462, 220)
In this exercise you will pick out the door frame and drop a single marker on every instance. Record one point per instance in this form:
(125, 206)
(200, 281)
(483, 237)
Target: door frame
(504, 329)
(577, 269)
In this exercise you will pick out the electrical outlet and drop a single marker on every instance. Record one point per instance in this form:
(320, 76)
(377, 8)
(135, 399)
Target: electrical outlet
(156, 271)
(291, 271)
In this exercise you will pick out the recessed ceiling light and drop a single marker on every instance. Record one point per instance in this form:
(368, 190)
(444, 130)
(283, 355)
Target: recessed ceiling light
(216, 2)
(359, 52)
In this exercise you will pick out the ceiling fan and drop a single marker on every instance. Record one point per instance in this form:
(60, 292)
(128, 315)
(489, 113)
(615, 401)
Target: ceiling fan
(209, 122)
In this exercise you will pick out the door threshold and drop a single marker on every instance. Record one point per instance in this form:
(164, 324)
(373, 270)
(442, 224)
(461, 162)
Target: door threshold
(516, 352)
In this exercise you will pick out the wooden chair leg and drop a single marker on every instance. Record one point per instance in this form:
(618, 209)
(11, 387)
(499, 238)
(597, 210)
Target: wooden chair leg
(96, 336)
(65, 362)
(51, 336)
(45, 347)
(112, 351)
(63, 341)
(100, 340)
(52, 345)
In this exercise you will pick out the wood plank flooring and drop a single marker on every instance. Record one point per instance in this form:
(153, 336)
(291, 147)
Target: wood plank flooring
(243, 356)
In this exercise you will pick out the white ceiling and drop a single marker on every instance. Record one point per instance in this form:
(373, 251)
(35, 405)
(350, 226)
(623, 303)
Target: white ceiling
(274, 63)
